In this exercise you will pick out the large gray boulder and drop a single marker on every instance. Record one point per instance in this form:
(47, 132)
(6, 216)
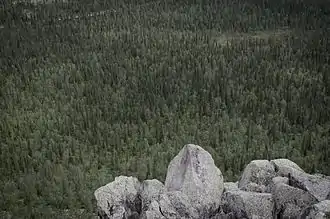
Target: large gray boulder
(119, 199)
(150, 190)
(290, 201)
(320, 210)
(248, 204)
(194, 173)
(259, 172)
(317, 185)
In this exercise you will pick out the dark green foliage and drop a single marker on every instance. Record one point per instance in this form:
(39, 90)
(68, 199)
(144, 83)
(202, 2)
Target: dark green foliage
(84, 100)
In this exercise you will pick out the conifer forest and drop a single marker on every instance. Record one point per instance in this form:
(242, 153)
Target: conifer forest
(94, 89)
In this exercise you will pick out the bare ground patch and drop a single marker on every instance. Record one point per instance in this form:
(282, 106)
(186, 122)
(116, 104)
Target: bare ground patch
(227, 38)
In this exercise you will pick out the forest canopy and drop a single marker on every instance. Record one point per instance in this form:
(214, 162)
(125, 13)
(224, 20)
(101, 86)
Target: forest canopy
(90, 90)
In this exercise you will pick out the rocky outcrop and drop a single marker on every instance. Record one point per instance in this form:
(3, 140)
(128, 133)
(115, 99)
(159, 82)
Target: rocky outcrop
(194, 189)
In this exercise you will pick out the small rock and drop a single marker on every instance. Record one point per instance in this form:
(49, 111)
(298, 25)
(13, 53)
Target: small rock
(118, 199)
(248, 204)
(228, 186)
(150, 190)
(290, 201)
(172, 205)
(317, 185)
(153, 212)
(259, 172)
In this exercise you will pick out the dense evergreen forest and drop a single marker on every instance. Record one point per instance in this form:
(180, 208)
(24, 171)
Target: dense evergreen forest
(86, 98)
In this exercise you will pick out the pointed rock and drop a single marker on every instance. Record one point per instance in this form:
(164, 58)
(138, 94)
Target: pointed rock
(194, 173)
